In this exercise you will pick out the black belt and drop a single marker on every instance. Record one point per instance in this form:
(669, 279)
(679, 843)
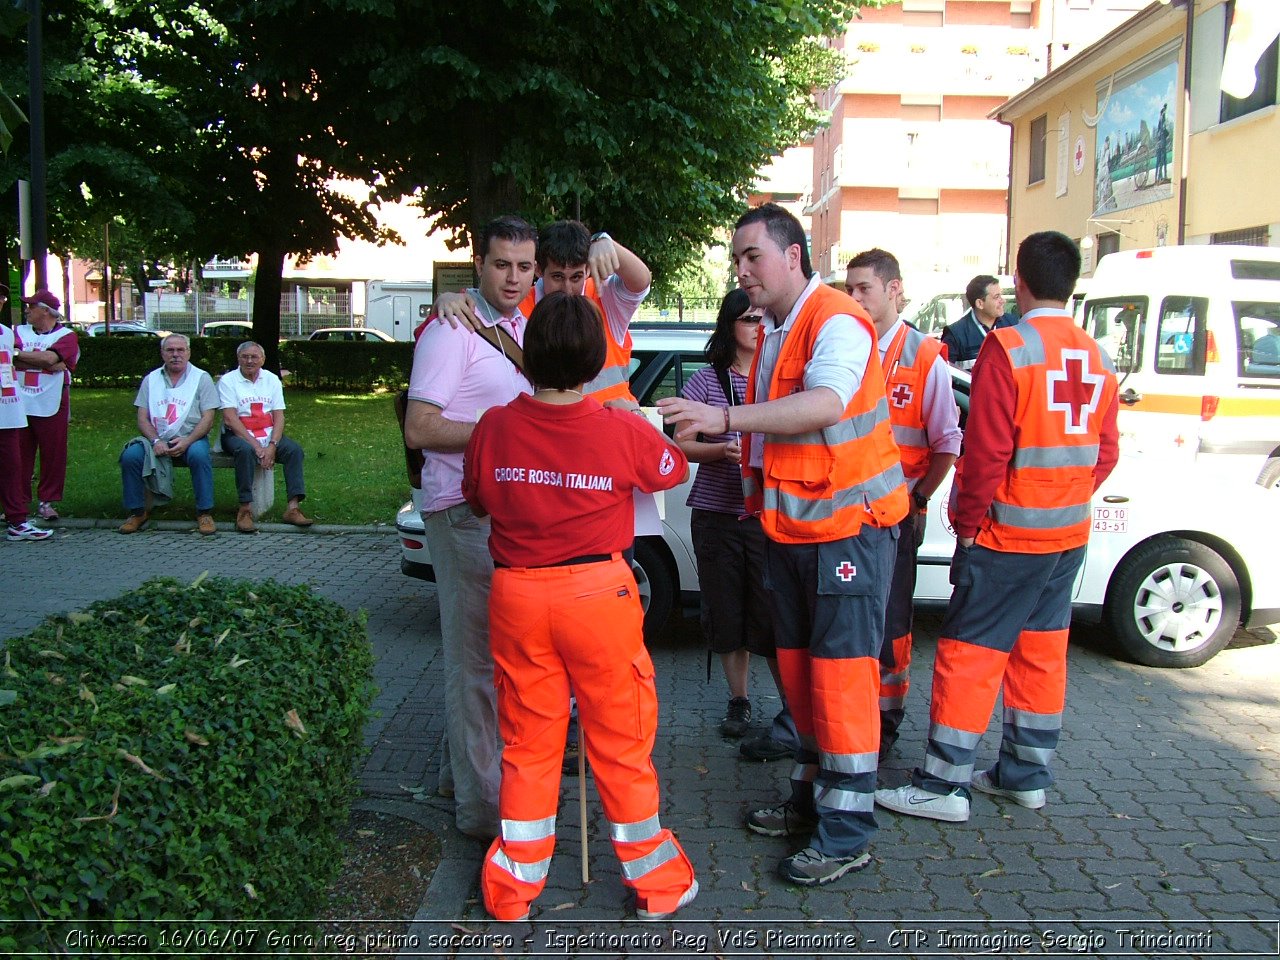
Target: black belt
(571, 562)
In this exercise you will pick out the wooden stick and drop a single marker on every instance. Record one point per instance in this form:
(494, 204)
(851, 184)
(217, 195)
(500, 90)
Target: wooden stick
(582, 802)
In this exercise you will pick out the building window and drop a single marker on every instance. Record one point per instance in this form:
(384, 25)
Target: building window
(1264, 90)
(1252, 237)
(1035, 173)
(1108, 243)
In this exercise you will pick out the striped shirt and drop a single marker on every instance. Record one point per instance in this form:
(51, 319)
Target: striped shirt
(717, 486)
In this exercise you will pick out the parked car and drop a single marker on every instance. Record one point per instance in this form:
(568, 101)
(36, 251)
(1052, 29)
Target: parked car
(122, 329)
(1170, 582)
(242, 329)
(359, 334)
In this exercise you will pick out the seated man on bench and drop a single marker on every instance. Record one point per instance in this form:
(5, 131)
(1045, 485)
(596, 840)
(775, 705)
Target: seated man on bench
(175, 411)
(252, 401)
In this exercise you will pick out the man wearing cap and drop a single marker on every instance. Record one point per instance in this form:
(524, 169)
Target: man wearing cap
(176, 403)
(14, 499)
(47, 352)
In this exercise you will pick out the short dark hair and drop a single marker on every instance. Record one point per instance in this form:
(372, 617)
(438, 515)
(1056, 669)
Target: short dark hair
(1049, 265)
(566, 242)
(722, 345)
(977, 288)
(564, 342)
(506, 227)
(882, 263)
(782, 227)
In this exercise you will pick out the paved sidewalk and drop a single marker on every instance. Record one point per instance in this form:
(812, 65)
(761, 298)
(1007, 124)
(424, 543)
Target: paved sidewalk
(1165, 821)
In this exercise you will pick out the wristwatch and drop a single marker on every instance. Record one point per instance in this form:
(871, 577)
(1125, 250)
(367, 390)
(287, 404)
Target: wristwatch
(599, 236)
(921, 501)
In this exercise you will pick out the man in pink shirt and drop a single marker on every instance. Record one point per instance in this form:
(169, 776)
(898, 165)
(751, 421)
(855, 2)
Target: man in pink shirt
(456, 377)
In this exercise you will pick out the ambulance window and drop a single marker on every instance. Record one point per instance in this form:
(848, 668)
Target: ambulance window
(1182, 336)
(1258, 338)
(1118, 324)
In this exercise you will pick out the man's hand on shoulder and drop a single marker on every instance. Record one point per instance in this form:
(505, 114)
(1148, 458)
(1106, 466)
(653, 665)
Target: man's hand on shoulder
(458, 310)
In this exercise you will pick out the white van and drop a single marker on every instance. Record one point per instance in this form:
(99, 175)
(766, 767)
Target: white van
(1195, 335)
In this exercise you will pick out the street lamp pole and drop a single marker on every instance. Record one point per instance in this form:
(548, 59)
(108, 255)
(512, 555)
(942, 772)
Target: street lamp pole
(35, 116)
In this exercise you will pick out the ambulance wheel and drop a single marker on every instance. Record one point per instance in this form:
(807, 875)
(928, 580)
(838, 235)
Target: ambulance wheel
(656, 585)
(1270, 473)
(1173, 603)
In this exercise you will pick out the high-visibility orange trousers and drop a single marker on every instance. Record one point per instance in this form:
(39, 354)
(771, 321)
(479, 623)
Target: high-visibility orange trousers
(552, 628)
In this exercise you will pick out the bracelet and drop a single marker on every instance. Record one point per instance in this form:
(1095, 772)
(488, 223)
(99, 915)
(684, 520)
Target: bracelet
(726, 420)
(599, 236)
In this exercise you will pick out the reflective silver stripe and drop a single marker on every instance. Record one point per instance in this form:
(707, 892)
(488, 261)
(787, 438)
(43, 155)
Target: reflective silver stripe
(635, 869)
(910, 436)
(635, 832)
(842, 431)
(525, 830)
(833, 798)
(805, 772)
(860, 494)
(952, 737)
(848, 762)
(1040, 755)
(951, 773)
(749, 488)
(534, 872)
(1038, 518)
(892, 703)
(1032, 350)
(1082, 456)
(910, 347)
(887, 679)
(1032, 721)
(608, 377)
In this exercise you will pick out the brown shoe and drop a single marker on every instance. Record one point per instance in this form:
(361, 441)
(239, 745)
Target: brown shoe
(244, 519)
(134, 523)
(294, 515)
(205, 525)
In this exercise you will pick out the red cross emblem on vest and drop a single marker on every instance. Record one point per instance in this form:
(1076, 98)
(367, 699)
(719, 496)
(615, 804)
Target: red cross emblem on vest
(846, 571)
(171, 413)
(902, 395)
(1074, 390)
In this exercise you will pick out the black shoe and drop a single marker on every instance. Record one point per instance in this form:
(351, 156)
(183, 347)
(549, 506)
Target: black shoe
(737, 718)
(764, 748)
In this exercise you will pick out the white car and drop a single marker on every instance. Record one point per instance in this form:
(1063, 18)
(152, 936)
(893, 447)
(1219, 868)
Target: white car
(1179, 556)
(359, 334)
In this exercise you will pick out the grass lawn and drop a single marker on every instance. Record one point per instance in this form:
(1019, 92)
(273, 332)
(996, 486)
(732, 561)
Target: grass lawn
(354, 469)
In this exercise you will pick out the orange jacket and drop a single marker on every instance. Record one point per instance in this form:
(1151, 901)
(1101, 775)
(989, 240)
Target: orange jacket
(905, 379)
(1064, 386)
(613, 380)
(825, 484)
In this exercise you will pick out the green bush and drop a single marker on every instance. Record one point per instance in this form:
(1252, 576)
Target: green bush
(357, 367)
(182, 752)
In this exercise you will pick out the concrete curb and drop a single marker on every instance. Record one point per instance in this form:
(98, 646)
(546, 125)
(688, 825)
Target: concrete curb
(188, 526)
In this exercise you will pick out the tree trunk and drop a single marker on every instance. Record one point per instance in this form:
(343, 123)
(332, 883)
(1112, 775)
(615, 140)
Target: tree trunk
(492, 195)
(266, 302)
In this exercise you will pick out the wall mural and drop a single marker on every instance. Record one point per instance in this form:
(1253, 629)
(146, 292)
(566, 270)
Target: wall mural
(1135, 136)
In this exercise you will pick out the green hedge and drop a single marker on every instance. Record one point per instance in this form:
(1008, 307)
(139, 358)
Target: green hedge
(316, 364)
(181, 752)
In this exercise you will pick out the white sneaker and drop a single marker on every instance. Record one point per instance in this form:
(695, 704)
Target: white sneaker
(28, 531)
(984, 783)
(685, 900)
(917, 802)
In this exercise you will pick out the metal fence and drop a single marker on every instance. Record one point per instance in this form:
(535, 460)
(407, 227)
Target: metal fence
(301, 311)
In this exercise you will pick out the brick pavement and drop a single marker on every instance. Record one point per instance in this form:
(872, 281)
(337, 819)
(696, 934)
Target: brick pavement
(1166, 810)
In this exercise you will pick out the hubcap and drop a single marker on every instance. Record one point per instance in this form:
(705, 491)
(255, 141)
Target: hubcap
(643, 586)
(1178, 607)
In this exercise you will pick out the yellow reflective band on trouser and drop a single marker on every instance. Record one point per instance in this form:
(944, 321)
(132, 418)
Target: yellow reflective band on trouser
(535, 872)
(523, 831)
(636, 832)
(1032, 721)
(637, 868)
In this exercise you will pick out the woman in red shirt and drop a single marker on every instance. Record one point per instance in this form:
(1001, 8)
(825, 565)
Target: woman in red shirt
(555, 472)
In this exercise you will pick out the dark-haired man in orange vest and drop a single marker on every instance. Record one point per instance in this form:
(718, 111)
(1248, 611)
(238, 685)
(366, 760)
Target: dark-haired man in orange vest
(926, 427)
(572, 260)
(1040, 439)
(821, 468)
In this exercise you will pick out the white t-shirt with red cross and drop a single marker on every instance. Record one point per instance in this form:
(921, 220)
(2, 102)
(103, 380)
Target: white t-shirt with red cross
(12, 414)
(252, 400)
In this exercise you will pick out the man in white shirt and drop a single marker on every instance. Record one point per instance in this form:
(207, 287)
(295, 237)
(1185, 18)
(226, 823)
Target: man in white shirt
(252, 401)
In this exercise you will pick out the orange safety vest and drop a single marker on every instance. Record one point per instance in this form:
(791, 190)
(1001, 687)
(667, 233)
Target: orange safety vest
(907, 363)
(613, 380)
(825, 484)
(1064, 384)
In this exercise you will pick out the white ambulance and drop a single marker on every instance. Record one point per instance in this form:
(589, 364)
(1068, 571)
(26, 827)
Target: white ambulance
(1195, 335)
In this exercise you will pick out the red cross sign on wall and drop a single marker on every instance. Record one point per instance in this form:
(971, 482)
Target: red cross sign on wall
(1074, 390)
